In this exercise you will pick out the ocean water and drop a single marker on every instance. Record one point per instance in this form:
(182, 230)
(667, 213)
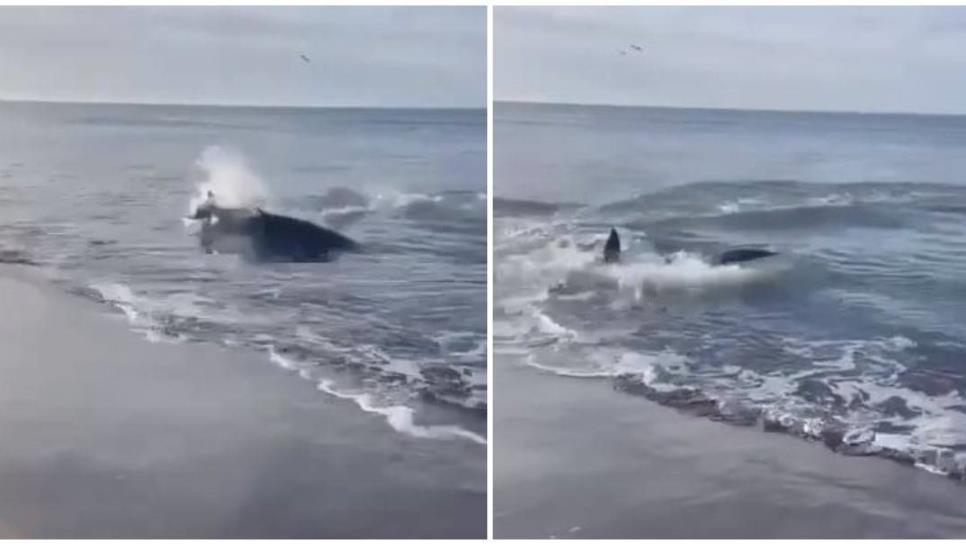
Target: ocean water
(853, 336)
(95, 198)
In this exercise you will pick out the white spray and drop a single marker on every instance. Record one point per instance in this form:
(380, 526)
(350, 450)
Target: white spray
(227, 175)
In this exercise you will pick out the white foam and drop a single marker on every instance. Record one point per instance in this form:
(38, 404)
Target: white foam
(535, 258)
(281, 360)
(821, 355)
(147, 313)
(734, 206)
(568, 372)
(545, 265)
(609, 363)
(121, 297)
(833, 199)
(685, 271)
(400, 418)
(931, 469)
(577, 297)
(392, 199)
(547, 325)
(332, 214)
(230, 179)
(462, 346)
(864, 373)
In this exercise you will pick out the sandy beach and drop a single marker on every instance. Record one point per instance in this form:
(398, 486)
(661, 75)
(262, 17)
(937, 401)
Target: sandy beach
(107, 435)
(575, 459)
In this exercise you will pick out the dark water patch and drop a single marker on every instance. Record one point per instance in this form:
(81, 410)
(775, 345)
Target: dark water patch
(15, 256)
(685, 399)
(517, 207)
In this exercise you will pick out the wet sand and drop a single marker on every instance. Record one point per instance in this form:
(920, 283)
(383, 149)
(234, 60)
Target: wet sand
(573, 458)
(107, 435)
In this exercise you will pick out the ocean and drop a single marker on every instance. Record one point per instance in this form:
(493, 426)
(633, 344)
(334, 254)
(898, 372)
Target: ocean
(95, 199)
(852, 336)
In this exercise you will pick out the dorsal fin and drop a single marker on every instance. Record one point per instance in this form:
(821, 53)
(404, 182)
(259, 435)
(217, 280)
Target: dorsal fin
(612, 249)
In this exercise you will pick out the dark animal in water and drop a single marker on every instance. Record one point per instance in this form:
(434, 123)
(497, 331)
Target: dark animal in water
(742, 255)
(612, 252)
(266, 236)
(612, 249)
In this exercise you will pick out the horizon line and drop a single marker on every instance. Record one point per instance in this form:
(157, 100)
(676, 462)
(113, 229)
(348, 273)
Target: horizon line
(238, 105)
(721, 108)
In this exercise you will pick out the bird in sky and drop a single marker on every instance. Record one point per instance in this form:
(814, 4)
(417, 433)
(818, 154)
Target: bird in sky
(637, 48)
(304, 58)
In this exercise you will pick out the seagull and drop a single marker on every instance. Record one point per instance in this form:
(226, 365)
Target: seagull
(637, 48)
(304, 58)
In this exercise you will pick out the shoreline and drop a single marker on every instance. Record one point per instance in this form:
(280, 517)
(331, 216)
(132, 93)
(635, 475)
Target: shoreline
(577, 459)
(109, 435)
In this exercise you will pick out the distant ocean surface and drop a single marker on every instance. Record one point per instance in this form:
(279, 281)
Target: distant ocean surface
(95, 198)
(854, 336)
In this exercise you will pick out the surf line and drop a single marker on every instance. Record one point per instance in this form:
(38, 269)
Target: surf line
(400, 418)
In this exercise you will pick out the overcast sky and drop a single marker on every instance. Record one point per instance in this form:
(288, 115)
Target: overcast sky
(374, 56)
(816, 58)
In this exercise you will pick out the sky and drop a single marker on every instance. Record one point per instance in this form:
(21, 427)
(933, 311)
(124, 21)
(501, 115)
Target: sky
(873, 59)
(359, 56)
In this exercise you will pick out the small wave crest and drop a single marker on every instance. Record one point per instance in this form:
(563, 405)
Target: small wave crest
(607, 363)
(401, 418)
(170, 317)
(340, 206)
(449, 207)
(398, 415)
